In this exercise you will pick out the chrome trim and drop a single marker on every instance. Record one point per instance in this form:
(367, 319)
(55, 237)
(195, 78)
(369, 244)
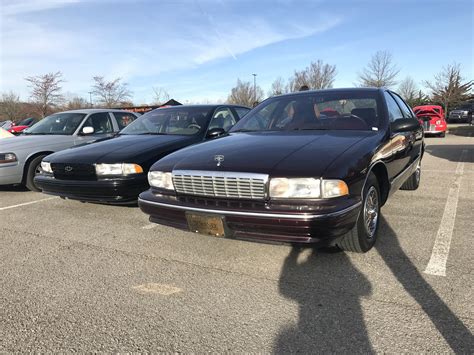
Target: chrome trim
(305, 216)
(221, 184)
(221, 174)
(402, 174)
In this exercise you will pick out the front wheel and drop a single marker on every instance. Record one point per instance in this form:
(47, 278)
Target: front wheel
(413, 181)
(361, 238)
(34, 168)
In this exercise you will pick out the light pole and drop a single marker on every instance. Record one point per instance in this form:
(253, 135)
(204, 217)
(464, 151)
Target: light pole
(90, 98)
(254, 88)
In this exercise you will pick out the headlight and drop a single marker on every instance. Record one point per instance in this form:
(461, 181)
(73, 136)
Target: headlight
(438, 122)
(46, 167)
(307, 188)
(161, 180)
(117, 169)
(7, 158)
(334, 188)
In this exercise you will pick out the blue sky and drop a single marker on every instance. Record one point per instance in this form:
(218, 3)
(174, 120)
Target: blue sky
(196, 49)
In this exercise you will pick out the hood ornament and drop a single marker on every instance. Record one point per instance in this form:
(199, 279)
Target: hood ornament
(219, 159)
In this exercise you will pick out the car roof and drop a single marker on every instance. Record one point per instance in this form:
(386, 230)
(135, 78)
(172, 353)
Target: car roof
(93, 110)
(201, 106)
(334, 90)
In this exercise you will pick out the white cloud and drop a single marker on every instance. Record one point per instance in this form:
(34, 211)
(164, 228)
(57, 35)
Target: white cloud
(181, 40)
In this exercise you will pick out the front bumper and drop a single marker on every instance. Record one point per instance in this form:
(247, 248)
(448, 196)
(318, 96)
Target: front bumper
(11, 173)
(256, 222)
(111, 191)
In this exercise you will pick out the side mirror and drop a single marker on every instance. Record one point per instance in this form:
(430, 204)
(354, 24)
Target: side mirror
(87, 130)
(215, 132)
(405, 125)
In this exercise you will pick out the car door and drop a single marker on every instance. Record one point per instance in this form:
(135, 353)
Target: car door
(414, 140)
(224, 118)
(102, 125)
(399, 157)
(123, 119)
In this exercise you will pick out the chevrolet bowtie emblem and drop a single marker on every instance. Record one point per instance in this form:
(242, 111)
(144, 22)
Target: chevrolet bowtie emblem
(219, 159)
(68, 168)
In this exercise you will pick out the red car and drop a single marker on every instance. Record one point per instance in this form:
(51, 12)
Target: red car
(22, 125)
(432, 119)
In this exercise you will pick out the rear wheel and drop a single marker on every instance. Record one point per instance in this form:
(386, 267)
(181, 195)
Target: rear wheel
(361, 238)
(34, 168)
(413, 181)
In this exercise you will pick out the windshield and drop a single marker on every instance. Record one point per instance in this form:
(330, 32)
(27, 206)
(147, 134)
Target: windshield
(185, 121)
(59, 123)
(314, 111)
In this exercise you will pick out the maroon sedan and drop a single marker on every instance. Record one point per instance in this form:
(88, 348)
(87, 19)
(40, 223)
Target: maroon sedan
(291, 172)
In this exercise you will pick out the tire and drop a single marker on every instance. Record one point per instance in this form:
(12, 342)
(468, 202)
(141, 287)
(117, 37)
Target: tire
(34, 168)
(413, 181)
(361, 238)
(442, 135)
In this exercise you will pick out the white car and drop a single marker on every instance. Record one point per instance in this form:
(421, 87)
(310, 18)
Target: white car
(20, 158)
(5, 134)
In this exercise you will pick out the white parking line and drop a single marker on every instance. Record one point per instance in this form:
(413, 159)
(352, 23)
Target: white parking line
(26, 203)
(440, 253)
(150, 226)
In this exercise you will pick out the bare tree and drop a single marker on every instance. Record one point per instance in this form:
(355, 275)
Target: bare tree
(10, 106)
(278, 87)
(316, 76)
(46, 91)
(299, 79)
(76, 102)
(161, 96)
(449, 88)
(243, 94)
(408, 90)
(380, 71)
(110, 93)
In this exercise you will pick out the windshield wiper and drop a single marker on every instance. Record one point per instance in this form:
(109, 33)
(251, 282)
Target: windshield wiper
(244, 130)
(153, 134)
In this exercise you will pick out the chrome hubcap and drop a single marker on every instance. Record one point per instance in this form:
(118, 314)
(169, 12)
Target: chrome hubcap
(418, 173)
(371, 211)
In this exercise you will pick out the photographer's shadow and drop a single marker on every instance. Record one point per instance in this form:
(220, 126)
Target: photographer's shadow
(450, 327)
(327, 288)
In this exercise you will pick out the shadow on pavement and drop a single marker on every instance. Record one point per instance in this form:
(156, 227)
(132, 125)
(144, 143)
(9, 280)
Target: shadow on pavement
(451, 328)
(13, 188)
(465, 131)
(451, 152)
(327, 289)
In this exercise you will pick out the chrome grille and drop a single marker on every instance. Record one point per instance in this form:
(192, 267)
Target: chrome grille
(220, 184)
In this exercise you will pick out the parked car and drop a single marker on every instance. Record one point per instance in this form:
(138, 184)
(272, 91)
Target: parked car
(462, 113)
(5, 134)
(432, 119)
(115, 170)
(288, 173)
(20, 158)
(6, 124)
(22, 125)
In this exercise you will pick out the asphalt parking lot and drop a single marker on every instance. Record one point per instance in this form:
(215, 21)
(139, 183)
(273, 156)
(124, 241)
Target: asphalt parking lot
(85, 277)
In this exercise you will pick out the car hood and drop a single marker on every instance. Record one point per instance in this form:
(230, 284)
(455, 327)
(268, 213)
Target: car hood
(274, 153)
(36, 142)
(124, 148)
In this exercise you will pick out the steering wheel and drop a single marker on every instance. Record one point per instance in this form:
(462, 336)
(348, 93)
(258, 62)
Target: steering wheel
(194, 125)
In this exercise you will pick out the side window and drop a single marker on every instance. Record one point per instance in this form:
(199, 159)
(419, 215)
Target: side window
(223, 118)
(394, 112)
(407, 113)
(124, 118)
(100, 122)
(241, 111)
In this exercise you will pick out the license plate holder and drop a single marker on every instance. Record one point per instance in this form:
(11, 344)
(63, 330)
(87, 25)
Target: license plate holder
(206, 224)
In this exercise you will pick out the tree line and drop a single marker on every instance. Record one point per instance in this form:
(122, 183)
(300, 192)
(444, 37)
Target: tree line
(447, 88)
(46, 97)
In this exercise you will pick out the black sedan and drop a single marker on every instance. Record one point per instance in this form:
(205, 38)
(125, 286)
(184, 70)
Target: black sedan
(311, 167)
(114, 170)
